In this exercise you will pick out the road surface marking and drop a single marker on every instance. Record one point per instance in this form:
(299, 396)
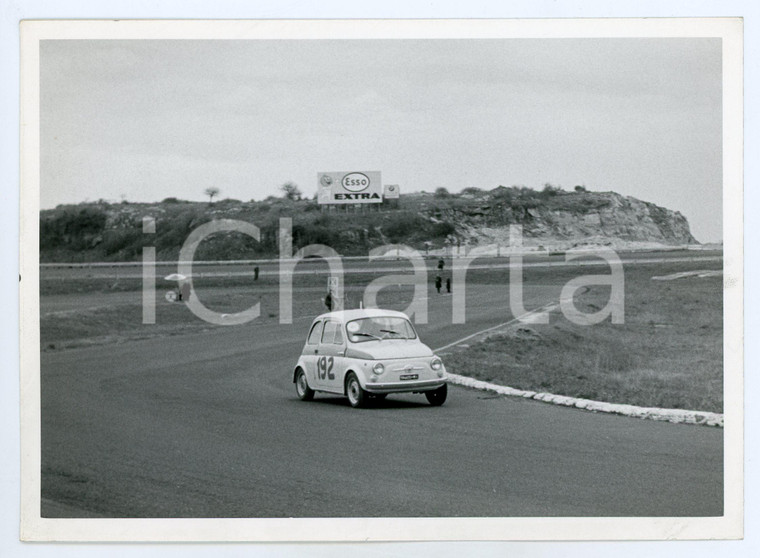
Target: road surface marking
(523, 318)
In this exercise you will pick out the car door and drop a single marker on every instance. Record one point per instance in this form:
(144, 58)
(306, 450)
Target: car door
(310, 354)
(330, 363)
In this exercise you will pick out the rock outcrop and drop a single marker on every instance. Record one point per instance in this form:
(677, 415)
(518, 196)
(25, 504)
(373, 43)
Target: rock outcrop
(568, 219)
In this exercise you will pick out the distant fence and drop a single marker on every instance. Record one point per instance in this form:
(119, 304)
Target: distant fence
(466, 251)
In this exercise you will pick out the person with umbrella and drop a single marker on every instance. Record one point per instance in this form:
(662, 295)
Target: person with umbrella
(183, 290)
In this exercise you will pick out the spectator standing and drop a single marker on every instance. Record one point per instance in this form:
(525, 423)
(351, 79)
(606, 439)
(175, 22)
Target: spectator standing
(184, 291)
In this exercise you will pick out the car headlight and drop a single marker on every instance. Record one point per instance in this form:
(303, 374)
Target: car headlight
(436, 363)
(378, 368)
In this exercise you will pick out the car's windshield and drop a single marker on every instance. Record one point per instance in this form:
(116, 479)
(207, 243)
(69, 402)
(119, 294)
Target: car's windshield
(379, 328)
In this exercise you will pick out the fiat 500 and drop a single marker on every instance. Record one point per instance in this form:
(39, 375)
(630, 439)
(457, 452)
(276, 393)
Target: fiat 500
(366, 354)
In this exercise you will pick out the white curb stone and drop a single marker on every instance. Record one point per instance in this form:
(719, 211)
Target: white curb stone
(651, 413)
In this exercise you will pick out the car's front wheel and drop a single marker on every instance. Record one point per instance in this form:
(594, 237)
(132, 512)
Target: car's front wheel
(305, 393)
(356, 395)
(438, 396)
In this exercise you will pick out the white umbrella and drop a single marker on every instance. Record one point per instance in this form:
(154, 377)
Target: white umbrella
(175, 277)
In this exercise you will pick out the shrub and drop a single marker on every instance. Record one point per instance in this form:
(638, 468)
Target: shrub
(472, 191)
(444, 229)
(73, 228)
(550, 191)
(291, 191)
(403, 226)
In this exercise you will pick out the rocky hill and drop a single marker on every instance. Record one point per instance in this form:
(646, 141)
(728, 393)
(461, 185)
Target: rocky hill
(476, 219)
(564, 220)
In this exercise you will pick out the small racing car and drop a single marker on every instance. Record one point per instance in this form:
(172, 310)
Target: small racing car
(365, 354)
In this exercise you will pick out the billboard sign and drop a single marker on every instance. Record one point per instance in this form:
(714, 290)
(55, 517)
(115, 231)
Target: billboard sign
(391, 192)
(349, 187)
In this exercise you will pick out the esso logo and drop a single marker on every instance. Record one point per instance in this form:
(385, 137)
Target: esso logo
(355, 182)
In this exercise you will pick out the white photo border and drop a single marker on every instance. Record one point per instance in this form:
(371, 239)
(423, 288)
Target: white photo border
(729, 526)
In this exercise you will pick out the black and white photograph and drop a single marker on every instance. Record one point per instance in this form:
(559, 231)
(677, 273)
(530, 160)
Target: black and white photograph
(381, 280)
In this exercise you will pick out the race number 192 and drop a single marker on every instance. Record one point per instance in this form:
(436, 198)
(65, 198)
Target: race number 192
(325, 366)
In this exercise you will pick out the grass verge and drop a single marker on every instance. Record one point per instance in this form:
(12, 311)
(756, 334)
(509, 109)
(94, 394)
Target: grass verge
(668, 353)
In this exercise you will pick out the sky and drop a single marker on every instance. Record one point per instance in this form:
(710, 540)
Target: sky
(145, 120)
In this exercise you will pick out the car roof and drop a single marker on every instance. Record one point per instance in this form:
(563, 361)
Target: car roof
(348, 315)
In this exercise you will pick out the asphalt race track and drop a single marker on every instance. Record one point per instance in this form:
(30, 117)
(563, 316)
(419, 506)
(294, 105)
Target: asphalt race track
(208, 425)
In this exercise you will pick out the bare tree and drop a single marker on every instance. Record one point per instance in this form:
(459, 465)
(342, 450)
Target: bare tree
(291, 191)
(211, 192)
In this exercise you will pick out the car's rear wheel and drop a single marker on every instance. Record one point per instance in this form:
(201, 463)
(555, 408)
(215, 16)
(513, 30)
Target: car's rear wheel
(305, 393)
(437, 397)
(356, 395)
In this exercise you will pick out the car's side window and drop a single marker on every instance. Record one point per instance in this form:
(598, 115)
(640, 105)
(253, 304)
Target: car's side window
(316, 331)
(338, 335)
(328, 336)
